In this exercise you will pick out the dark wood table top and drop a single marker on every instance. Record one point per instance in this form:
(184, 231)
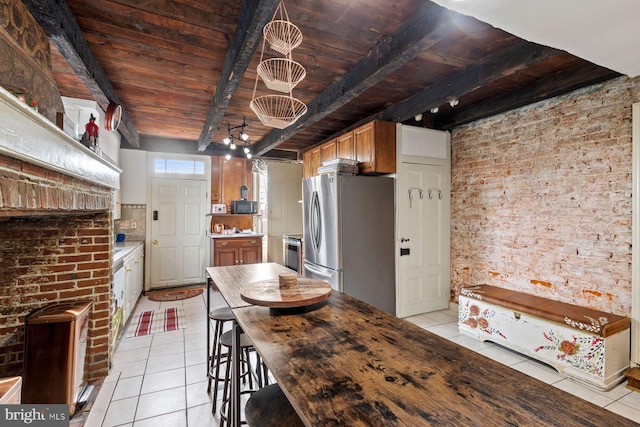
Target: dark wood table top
(229, 280)
(350, 364)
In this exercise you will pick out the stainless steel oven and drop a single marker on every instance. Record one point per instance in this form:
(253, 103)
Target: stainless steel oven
(292, 251)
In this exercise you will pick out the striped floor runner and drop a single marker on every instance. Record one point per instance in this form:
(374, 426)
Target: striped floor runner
(153, 322)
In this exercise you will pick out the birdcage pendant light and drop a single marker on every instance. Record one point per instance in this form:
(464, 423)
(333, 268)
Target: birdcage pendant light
(280, 74)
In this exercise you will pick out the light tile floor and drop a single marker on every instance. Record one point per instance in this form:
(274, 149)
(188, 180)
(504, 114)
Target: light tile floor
(160, 380)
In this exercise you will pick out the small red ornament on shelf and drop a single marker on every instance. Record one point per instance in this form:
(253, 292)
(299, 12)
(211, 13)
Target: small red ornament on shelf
(90, 137)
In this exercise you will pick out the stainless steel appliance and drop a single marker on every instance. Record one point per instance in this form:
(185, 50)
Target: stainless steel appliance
(349, 235)
(292, 251)
(244, 207)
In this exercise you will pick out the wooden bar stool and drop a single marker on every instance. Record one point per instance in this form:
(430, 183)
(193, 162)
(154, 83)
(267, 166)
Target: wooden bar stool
(245, 346)
(220, 316)
(269, 407)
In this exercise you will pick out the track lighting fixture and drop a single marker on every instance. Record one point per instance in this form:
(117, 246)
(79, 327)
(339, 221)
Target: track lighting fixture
(241, 136)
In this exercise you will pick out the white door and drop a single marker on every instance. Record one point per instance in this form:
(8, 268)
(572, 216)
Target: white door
(284, 193)
(423, 232)
(178, 232)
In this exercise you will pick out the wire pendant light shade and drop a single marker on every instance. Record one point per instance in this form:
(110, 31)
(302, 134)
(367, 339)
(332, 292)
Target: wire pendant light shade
(282, 35)
(277, 111)
(279, 74)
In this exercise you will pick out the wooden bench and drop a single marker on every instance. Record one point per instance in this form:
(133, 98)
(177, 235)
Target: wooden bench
(587, 345)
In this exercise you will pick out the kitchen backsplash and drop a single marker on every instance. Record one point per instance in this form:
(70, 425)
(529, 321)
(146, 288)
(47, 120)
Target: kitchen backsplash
(132, 222)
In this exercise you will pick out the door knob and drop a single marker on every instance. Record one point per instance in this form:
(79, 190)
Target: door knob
(155, 242)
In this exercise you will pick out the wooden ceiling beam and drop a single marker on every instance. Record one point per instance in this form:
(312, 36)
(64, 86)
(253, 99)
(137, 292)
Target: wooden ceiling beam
(254, 16)
(184, 146)
(582, 75)
(158, 144)
(56, 19)
(429, 25)
(516, 57)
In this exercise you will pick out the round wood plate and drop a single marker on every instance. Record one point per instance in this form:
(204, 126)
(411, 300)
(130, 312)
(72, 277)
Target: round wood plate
(267, 293)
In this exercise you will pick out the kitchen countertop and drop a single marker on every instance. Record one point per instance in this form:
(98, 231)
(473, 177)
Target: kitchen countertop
(121, 249)
(233, 236)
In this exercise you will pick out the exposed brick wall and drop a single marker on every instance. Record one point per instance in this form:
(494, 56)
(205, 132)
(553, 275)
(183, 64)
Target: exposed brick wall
(541, 198)
(57, 247)
(30, 189)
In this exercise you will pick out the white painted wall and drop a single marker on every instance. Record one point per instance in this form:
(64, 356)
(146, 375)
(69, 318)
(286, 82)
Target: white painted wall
(133, 180)
(284, 193)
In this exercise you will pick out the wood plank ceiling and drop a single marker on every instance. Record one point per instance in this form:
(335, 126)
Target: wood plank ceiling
(184, 70)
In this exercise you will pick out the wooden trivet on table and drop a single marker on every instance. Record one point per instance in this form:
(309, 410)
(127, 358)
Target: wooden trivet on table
(267, 293)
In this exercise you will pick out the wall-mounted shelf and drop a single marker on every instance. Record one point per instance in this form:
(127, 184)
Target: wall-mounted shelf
(29, 136)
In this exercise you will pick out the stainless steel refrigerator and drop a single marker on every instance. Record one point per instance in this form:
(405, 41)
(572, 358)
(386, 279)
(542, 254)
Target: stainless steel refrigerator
(349, 235)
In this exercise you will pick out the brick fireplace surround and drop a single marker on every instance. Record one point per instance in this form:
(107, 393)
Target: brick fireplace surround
(55, 246)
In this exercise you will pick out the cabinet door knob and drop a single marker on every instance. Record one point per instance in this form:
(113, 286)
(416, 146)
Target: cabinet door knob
(155, 242)
(237, 262)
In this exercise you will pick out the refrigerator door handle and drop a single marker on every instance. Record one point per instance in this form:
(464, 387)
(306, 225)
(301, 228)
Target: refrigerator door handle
(315, 221)
(316, 271)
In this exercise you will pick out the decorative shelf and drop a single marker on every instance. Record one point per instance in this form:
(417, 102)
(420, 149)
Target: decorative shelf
(28, 136)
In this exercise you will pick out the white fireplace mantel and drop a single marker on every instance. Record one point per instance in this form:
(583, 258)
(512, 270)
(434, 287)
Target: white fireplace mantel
(28, 136)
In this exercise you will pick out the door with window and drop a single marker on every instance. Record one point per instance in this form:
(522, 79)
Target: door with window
(178, 225)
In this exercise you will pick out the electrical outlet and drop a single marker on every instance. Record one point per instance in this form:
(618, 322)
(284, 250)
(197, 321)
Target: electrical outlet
(134, 225)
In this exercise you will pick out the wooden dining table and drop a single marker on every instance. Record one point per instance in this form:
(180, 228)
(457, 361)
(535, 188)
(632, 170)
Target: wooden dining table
(347, 363)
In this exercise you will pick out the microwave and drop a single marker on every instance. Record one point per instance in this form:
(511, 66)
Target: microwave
(244, 207)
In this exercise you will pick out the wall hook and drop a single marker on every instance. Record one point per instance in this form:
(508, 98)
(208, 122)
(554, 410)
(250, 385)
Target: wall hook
(420, 193)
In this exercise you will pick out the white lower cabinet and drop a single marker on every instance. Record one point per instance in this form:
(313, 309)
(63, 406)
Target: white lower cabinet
(128, 280)
(133, 279)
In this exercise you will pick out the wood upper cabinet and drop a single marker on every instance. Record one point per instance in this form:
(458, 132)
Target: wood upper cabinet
(328, 151)
(227, 176)
(311, 161)
(375, 146)
(346, 149)
(237, 251)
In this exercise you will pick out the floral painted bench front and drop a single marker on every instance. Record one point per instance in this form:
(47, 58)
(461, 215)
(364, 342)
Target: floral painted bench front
(588, 345)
